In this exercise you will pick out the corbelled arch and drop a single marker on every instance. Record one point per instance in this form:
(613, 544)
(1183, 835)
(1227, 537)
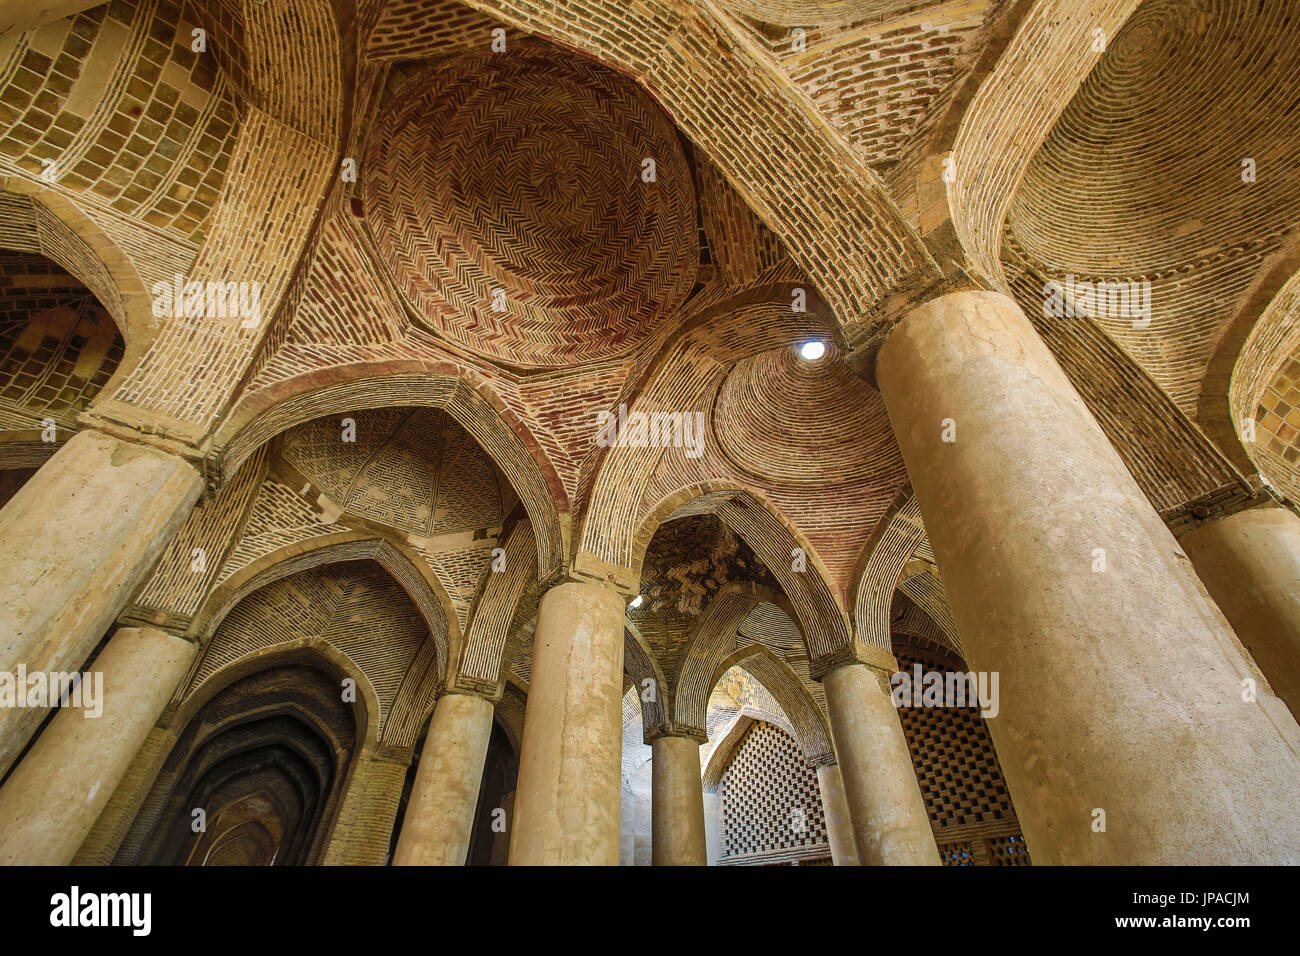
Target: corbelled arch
(308, 651)
(482, 664)
(775, 539)
(883, 558)
(462, 394)
(1052, 52)
(925, 590)
(44, 221)
(1273, 341)
(720, 756)
(712, 639)
(641, 667)
(1262, 333)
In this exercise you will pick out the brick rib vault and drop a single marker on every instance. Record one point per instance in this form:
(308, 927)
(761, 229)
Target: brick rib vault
(393, 390)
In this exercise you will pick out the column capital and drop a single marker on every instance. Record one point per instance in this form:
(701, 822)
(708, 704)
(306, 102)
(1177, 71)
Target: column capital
(683, 731)
(877, 658)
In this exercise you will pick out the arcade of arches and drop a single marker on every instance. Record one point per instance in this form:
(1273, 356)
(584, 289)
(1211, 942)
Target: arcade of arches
(509, 431)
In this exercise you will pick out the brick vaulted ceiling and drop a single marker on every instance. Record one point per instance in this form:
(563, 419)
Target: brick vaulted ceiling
(512, 202)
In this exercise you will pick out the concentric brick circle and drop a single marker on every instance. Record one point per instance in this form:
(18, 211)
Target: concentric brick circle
(505, 192)
(803, 423)
(1143, 172)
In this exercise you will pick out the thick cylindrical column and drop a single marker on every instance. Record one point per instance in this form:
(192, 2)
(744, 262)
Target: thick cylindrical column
(51, 800)
(1122, 725)
(712, 827)
(567, 798)
(440, 815)
(890, 825)
(75, 542)
(1250, 564)
(835, 807)
(677, 803)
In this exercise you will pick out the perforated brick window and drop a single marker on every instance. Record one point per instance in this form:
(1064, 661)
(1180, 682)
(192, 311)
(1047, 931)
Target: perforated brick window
(961, 781)
(770, 803)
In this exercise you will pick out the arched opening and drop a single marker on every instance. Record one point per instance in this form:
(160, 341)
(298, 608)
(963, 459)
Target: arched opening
(255, 778)
(59, 346)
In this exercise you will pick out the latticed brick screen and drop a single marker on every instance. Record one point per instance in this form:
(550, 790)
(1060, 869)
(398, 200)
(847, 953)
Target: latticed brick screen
(961, 781)
(771, 805)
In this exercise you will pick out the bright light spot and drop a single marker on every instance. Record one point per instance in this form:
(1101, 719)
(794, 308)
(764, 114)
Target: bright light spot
(812, 351)
(636, 601)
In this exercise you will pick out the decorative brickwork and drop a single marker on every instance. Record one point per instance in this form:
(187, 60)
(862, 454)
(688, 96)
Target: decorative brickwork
(771, 807)
(961, 782)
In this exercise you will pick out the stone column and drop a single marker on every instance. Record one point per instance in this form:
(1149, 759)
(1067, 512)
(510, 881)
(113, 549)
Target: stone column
(677, 803)
(75, 543)
(567, 798)
(835, 807)
(1250, 564)
(1121, 703)
(53, 797)
(440, 814)
(712, 826)
(885, 808)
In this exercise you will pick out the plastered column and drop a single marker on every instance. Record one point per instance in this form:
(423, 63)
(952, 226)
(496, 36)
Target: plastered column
(567, 798)
(835, 807)
(1250, 564)
(885, 808)
(1121, 701)
(712, 826)
(677, 831)
(440, 815)
(75, 542)
(52, 799)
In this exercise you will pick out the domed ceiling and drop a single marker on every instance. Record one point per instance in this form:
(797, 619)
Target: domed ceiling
(412, 469)
(1144, 168)
(508, 197)
(781, 418)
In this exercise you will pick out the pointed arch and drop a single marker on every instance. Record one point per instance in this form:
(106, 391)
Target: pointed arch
(775, 539)
(808, 723)
(464, 395)
(897, 536)
(419, 582)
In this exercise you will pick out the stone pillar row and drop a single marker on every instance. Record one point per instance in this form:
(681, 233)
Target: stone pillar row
(1133, 726)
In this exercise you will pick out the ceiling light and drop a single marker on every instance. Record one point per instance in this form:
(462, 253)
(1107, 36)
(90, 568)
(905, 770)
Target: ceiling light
(812, 351)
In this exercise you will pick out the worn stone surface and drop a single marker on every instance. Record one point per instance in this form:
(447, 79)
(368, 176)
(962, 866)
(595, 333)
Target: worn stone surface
(436, 829)
(567, 801)
(677, 827)
(50, 802)
(75, 541)
(1022, 509)
(1250, 564)
(890, 827)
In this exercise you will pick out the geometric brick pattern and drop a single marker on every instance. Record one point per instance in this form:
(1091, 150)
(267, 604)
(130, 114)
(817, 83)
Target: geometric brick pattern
(58, 346)
(771, 804)
(961, 782)
(508, 196)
